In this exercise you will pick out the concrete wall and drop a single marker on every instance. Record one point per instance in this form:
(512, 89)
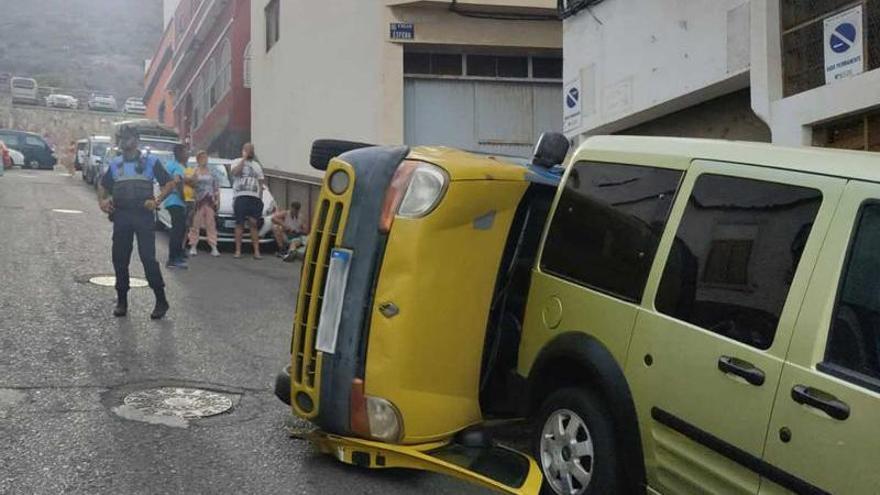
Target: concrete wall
(345, 80)
(791, 119)
(739, 122)
(59, 127)
(640, 59)
(331, 74)
(643, 60)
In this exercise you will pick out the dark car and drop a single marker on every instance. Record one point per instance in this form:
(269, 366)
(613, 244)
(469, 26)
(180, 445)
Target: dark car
(37, 152)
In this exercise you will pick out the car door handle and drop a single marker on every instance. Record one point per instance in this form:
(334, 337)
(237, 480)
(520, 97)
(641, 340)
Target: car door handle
(820, 400)
(743, 369)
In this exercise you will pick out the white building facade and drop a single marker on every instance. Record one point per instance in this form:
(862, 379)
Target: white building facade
(736, 69)
(484, 76)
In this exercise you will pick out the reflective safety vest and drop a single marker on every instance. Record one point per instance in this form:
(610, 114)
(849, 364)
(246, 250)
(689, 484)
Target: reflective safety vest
(132, 181)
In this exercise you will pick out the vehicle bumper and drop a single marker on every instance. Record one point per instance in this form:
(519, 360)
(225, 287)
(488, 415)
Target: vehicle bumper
(510, 471)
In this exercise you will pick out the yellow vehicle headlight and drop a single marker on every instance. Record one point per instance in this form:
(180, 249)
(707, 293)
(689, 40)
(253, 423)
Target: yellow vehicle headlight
(415, 190)
(424, 192)
(339, 182)
(385, 424)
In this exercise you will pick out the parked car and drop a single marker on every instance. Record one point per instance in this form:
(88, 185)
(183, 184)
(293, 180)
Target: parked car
(79, 156)
(16, 158)
(102, 102)
(135, 106)
(93, 156)
(676, 316)
(11, 157)
(110, 153)
(36, 152)
(225, 218)
(56, 100)
(24, 90)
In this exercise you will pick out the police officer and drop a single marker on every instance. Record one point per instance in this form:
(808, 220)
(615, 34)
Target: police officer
(126, 193)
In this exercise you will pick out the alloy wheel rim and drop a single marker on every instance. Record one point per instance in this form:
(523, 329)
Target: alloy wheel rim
(567, 453)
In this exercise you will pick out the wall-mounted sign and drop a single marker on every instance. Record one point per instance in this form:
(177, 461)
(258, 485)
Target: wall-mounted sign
(844, 55)
(571, 105)
(403, 31)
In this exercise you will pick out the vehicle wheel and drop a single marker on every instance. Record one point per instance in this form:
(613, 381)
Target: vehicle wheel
(34, 164)
(574, 444)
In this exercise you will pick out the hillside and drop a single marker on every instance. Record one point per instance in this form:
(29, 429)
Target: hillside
(80, 44)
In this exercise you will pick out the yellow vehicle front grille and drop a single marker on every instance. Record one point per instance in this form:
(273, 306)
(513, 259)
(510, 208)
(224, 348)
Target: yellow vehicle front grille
(305, 372)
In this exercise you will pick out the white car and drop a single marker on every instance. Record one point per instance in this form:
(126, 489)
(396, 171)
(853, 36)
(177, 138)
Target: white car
(16, 157)
(134, 105)
(61, 101)
(225, 217)
(101, 101)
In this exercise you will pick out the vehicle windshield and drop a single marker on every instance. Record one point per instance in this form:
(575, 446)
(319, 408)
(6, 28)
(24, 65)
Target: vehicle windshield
(218, 169)
(157, 145)
(23, 83)
(98, 149)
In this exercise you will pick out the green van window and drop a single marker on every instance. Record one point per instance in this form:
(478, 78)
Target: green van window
(735, 254)
(607, 225)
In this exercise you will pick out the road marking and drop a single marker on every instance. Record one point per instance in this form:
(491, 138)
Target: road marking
(61, 210)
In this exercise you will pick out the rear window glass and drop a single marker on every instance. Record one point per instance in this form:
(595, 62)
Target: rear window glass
(9, 139)
(23, 83)
(854, 342)
(606, 228)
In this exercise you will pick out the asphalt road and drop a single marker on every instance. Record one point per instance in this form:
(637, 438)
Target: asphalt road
(66, 364)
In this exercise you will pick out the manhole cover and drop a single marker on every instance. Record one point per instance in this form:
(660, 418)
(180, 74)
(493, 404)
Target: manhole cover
(110, 281)
(185, 403)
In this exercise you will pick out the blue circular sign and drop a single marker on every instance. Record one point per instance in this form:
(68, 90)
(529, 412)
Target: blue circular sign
(571, 99)
(843, 37)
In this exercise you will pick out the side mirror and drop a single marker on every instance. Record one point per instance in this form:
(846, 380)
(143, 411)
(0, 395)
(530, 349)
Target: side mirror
(324, 150)
(551, 149)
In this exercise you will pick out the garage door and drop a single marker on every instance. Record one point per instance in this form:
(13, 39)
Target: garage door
(505, 118)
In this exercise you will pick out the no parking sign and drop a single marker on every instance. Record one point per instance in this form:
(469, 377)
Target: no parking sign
(844, 56)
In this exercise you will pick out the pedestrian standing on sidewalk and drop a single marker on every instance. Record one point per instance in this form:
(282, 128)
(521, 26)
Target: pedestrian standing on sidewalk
(176, 207)
(189, 199)
(126, 194)
(248, 184)
(206, 191)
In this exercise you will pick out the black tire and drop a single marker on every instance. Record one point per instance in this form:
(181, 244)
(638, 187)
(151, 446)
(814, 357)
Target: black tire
(324, 150)
(589, 408)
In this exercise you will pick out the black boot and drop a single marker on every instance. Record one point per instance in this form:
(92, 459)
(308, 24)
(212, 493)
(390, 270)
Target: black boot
(121, 308)
(161, 305)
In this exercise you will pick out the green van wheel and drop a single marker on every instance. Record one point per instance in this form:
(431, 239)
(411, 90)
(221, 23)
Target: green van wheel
(574, 445)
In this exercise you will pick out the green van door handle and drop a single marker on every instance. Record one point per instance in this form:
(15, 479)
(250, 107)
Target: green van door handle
(820, 400)
(743, 369)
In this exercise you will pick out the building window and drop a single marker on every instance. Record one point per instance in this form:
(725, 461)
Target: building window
(746, 238)
(273, 25)
(546, 68)
(211, 84)
(481, 66)
(247, 66)
(607, 226)
(803, 51)
(225, 68)
(859, 132)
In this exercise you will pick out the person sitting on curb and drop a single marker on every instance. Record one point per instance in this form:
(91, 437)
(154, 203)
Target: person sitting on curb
(290, 232)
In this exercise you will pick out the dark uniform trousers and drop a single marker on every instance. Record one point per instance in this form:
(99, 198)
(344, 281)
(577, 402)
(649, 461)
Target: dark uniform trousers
(126, 225)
